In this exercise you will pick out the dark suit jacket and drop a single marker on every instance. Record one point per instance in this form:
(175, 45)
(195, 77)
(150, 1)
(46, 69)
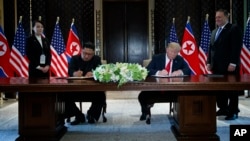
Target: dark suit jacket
(159, 61)
(76, 63)
(225, 50)
(33, 51)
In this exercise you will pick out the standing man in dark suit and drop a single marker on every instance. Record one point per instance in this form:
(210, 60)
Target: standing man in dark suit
(38, 52)
(169, 63)
(224, 58)
(83, 65)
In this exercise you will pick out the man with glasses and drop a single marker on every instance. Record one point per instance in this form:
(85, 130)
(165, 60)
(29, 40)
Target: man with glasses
(82, 65)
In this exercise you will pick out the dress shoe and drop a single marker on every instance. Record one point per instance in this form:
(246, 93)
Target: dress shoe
(78, 120)
(231, 117)
(68, 120)
(221, 113)
(143, 116)
(90, 119)
(148, 119)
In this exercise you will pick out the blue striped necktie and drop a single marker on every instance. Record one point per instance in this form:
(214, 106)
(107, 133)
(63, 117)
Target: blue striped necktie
(218, 33)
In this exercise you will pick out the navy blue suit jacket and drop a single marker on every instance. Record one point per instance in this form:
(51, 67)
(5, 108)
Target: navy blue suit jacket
(225, 50)
(158, 63)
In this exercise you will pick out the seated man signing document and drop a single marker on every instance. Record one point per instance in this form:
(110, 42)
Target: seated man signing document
(165, 64)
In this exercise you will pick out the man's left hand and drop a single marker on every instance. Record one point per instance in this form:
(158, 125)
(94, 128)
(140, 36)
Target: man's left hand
(231, 68)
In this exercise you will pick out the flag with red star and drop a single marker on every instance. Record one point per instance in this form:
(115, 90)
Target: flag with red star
(5, 67)
(190, 50)
(73, 46)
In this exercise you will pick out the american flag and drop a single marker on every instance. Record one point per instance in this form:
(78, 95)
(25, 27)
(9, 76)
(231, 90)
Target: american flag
(204, 45)
(59, 63)
(245, 52)
(190, 50)
(73, 44)
(18, 58)
(173, 35)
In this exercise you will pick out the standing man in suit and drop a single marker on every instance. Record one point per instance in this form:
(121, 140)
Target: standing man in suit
(169, 63)
(224, 58)
(38, 52)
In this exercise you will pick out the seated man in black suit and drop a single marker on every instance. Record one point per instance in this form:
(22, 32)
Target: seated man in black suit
(82, 65)
(169, 63)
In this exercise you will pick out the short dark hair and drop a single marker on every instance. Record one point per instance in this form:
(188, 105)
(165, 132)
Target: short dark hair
(89, 45)
(225, 12)
(37, 21)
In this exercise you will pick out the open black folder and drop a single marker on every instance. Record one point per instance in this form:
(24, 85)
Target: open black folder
(213, 75)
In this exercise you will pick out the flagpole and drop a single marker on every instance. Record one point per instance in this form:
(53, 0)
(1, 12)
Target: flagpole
(231, 12)
(31, 17)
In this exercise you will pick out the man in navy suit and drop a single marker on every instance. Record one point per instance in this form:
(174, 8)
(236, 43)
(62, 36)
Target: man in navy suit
(224, 58)
(169, 63)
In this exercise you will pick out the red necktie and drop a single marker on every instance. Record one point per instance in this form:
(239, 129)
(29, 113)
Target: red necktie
(168, 66)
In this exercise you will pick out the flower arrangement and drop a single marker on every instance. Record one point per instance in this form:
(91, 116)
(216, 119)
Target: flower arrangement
(120, 72)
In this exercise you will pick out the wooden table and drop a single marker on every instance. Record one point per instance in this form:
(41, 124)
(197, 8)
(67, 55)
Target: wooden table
(41, 105)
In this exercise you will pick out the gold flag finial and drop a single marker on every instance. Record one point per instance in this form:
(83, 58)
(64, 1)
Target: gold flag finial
(173, 20)
(207, 17)
(40, 18)
(20, 19)
(73, 20)
(57, 19)
(188, 19)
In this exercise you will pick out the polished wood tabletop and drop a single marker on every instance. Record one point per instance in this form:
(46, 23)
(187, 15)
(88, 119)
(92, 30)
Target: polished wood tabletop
(55, 84)
(196, 103)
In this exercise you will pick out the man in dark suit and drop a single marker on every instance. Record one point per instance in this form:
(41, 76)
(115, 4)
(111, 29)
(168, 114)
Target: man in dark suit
(169, 63)
(224, 58)
(82, 65)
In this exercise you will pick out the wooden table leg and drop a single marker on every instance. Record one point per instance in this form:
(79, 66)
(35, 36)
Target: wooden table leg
(194, 117)
(41, 116)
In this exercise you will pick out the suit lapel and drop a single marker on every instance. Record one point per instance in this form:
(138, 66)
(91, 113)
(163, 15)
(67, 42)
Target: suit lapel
(213, 36)
(163, 60)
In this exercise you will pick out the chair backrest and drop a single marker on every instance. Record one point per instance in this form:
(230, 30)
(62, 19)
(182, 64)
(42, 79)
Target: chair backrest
(104, 61)
(146, 62)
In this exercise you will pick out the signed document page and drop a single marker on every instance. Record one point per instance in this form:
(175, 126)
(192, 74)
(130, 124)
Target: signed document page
(168, 76)
(75, 78)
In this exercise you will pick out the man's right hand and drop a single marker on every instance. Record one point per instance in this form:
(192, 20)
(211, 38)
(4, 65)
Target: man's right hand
(77, 73)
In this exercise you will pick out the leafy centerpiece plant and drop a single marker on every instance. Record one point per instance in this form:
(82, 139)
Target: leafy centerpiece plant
(120, 72)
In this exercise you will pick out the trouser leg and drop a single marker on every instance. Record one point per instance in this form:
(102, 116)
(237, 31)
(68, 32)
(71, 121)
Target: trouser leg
(98, 101)
(233, 102)
(222, 101)
(72, 110)
(144, 99)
